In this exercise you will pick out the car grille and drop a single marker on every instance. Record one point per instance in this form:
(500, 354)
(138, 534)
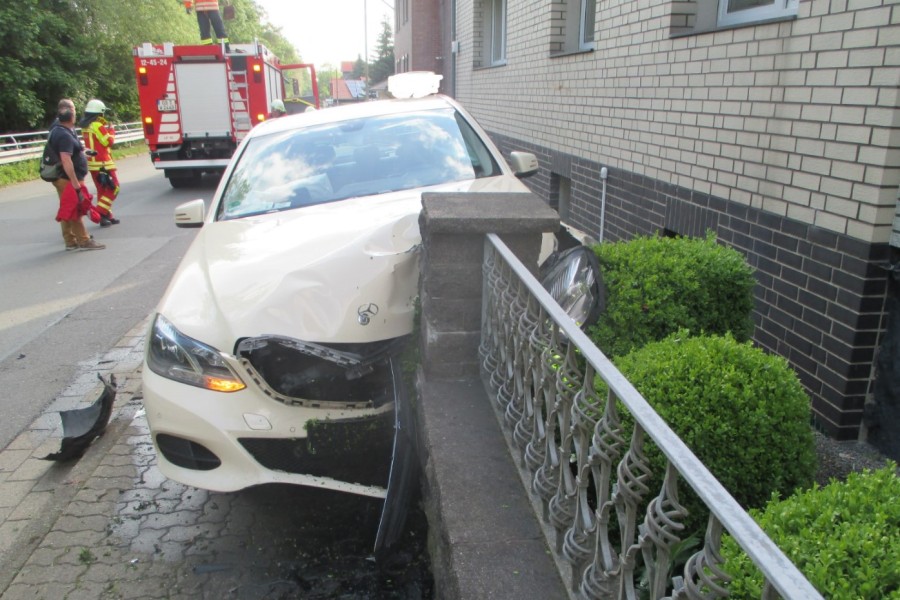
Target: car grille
(355, 451)
(186, 454)
(303, 374)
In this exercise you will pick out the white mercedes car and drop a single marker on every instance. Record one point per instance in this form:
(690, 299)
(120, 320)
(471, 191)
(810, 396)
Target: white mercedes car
(273, 355)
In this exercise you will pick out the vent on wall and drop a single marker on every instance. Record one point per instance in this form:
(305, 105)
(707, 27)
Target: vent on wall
(688, 219)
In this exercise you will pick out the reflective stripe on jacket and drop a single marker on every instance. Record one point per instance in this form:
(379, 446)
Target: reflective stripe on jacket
(206, 4)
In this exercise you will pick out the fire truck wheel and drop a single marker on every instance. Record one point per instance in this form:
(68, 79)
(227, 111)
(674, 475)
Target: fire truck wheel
(183, 178)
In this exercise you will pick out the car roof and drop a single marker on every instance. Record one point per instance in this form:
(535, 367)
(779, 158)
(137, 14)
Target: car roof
(372, 108)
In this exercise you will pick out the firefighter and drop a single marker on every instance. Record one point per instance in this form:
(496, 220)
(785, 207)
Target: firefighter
(208, 14)
(277, 109)
(99, 137)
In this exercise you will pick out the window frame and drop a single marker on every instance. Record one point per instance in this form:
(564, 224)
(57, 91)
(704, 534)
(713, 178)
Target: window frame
(496, 54)
(777, 10)
(582, 43)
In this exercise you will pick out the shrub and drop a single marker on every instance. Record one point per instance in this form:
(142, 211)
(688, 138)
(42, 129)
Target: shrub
(656, 286)
(843, 537)
(741, 411)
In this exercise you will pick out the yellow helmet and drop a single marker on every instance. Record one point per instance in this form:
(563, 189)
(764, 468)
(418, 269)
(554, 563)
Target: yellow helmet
(95, 106)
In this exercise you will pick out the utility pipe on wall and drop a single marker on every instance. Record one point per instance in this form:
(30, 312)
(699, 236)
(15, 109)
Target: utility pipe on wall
(603, 174)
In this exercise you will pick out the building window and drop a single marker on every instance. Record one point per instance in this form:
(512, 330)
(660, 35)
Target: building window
(690, 17)
(572, 25)
(738, 12)
(496, 31)
(586, 25)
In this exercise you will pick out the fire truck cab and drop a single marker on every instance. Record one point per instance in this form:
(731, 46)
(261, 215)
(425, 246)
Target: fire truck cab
(198, 102)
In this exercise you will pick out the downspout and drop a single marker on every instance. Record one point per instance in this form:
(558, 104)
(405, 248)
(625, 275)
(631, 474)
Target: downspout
(454, 49)
(603, 174)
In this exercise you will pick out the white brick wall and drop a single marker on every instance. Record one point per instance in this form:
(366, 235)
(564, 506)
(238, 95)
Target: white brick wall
(798, 117)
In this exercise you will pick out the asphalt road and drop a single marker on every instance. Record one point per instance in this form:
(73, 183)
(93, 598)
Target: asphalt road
(61, 310)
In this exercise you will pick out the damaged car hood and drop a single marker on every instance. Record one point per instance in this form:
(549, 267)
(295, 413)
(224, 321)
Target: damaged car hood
(341, 272)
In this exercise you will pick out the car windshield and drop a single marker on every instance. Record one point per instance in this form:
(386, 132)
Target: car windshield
(348, 159)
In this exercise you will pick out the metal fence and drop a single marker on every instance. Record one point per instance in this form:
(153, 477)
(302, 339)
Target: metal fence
(16, 147)
(584, 468)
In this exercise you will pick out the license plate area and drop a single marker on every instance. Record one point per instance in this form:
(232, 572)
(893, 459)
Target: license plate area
(166, 105)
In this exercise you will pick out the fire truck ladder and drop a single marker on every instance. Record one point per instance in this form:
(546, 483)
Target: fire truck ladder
(240, 104)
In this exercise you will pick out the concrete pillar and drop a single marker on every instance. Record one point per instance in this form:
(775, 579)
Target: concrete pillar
(453, 227)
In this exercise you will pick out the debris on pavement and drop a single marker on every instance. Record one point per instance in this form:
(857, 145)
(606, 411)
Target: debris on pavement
(81, 426)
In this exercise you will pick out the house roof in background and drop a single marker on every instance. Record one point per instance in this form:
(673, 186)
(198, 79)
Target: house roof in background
(348, 89)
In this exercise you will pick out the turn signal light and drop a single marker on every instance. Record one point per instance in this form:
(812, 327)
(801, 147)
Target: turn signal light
(223, 385)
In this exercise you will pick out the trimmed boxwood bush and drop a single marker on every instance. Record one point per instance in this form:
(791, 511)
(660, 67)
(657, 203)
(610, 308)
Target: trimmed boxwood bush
(656, 286)
(844, 537)
(741, 411)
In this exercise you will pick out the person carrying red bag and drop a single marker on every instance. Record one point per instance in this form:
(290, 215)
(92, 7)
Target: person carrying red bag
(65, 142)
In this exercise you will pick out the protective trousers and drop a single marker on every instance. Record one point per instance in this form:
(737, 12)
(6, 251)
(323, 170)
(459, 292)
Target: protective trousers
(205, 18)
(107, 190)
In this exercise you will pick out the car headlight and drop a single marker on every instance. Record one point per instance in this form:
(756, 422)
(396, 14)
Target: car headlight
(175, 356)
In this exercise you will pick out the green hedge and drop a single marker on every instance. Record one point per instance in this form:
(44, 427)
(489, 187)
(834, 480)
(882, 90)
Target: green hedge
(656, 286)
(743, 413)
(844, 537)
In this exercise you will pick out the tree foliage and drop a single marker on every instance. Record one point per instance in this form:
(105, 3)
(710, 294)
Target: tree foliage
(82, 49)
(383, 64)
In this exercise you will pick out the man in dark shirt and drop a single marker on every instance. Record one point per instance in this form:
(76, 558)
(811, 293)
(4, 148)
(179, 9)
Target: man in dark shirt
(66, 143)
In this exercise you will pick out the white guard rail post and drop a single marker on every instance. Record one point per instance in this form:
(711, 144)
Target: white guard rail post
(576, 458)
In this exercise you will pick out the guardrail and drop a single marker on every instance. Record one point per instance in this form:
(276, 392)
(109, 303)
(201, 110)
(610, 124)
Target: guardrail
(575, 453)
(16, 147)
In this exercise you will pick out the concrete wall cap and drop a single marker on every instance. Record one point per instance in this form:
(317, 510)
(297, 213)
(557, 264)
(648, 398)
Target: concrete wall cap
(512, 212)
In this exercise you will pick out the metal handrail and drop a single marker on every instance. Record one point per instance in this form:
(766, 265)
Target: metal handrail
(524, 329)
(16, 147)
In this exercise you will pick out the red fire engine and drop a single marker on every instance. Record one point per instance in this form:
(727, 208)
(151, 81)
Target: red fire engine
(198, 102)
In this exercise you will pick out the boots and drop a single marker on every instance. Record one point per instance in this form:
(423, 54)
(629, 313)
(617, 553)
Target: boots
(107, 221)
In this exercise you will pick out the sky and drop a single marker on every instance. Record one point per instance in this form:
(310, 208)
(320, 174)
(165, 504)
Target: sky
(330, 31)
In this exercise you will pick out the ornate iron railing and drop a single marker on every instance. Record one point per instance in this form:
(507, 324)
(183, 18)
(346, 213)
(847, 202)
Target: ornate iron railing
(582, 466)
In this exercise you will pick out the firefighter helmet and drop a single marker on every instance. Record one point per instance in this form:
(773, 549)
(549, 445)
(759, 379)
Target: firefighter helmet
(95, 106)
(278, 106)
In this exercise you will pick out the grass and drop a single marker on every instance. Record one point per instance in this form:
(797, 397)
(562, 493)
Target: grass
(27, 170)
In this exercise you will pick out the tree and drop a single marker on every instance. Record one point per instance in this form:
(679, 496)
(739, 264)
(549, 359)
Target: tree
(383, 65)
(359, 68)
(45, 57)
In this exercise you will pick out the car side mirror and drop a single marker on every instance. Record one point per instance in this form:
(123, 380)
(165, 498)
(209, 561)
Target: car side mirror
(524, 164)
(190, 214)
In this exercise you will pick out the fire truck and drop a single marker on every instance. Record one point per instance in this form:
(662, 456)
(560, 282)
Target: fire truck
(198, 102)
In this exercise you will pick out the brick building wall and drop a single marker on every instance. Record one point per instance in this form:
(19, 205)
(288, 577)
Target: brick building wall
(420, 36)
(781, 137)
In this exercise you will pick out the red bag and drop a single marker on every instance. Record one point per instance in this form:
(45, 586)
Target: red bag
(93, 214)
(69, 207)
